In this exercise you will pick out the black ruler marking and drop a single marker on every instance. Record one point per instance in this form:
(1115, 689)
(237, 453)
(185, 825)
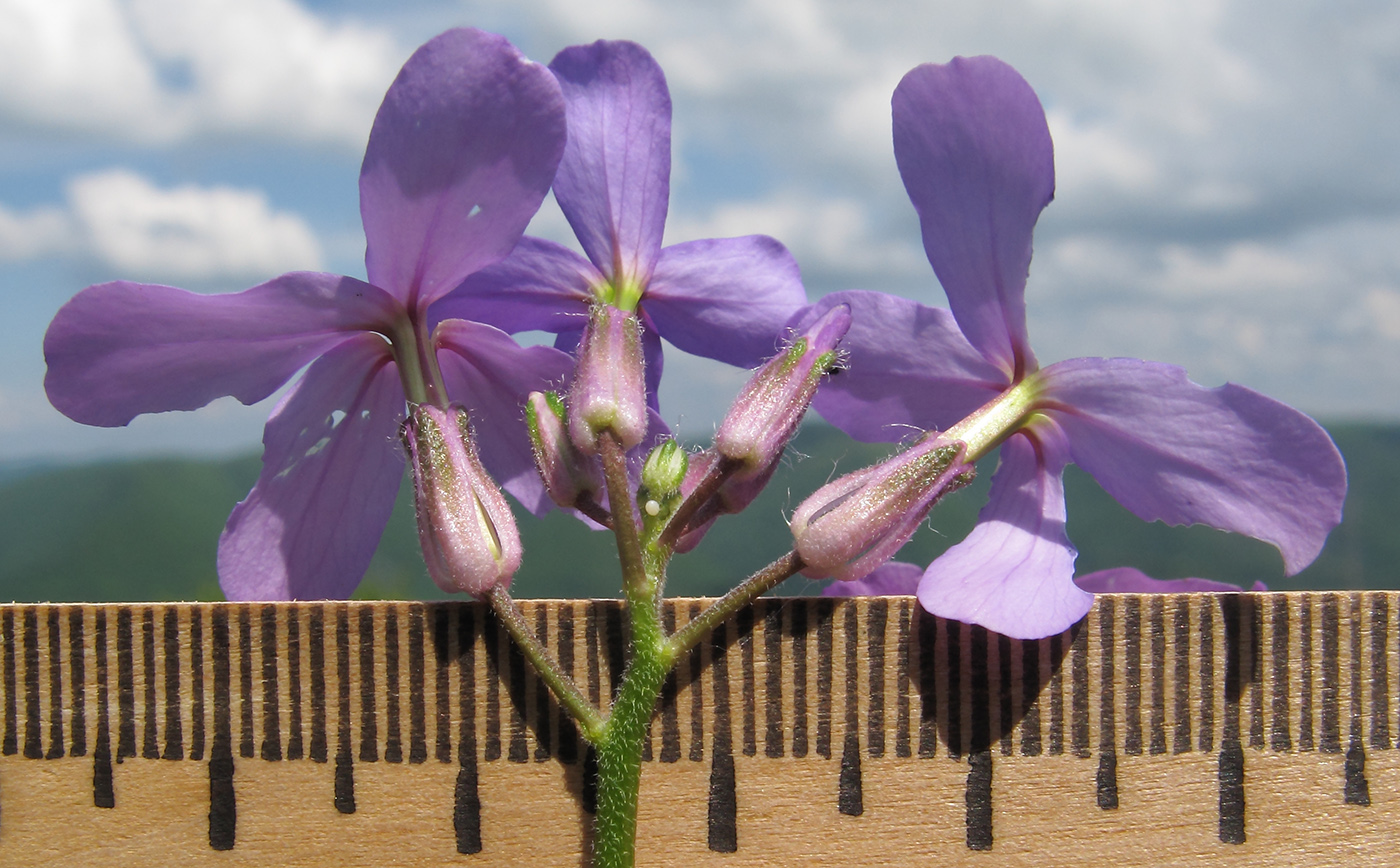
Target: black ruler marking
(723, 808)
(1256, 681)
(1181, 692)
(1132, 677)
(743, 626)
(1107, 778)
(197, 710)
(417, 702)
(928, 693)
(798, 624)
(296, 746)
(316, 660)
(150, 749)
(903, 747)
(369, 720)
(223, 810)
(1058, 648)
(491, 640)
(1329, 741)
(55, 685)
(544, 704)
(696, 667)
(616, 641)
(569, 737)
(592, 649)
(1356, 790)
(1205, 632)
(1379, 605)
(1305, 674)
(1079, 690)
(466, 806)
(1236, 614)
(978, 794)
(953, 632)
(77, 670)
(1033, 676)
(1006, 694)
(1280, 738)
(772, 678)
(1157, 718)
(979, 698)
(272, 729)
(103, 793)
(393, 736)
(516, 752)
(344, 794)
(174, 728)
(826, 609)
(670, 722)
(442, 656)
(876, 617)
(245, 682)
(850, 796)
(126, 690)
(7, 628)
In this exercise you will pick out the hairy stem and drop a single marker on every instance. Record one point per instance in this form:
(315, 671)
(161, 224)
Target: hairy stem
(722, 609)
(565, 690)
(623, 502)
(723, 469)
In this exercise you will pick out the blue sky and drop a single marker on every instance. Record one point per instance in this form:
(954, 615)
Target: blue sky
(1228, 193)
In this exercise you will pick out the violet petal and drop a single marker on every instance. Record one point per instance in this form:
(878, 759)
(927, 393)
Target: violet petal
(1174, 451)
(891, 579)
(460, 157)
(727, 299)
(1130, 580)
(974, 150)
(614, 181)
(905, 368)
(492, 377)
(120, 349)
(1013, 574)
(541, 286)
(331, 469)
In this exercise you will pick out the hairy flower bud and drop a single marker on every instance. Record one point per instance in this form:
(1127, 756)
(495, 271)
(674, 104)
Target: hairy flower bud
(567, 475)
(773, 402)
(854, 524)
(465, 526)
(609, 389)
(665, 469)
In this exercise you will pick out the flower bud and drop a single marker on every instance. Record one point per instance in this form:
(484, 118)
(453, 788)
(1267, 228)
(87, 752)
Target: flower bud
(465, 526)
(567, 474)
(852, 525)
(772, 403)
(609, 389)
(665, 469)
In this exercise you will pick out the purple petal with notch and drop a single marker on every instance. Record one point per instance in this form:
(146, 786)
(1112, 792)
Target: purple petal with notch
(460, 157)
(905, 368)
(120, 349)
(1173, 451)
(614, 182)
(331, 469)
(974, 150)
(1014, 573)
(493, 376)
(727, 299)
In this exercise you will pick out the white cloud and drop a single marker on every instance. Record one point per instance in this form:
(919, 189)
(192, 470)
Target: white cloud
(162, 70)
(32, 234)
(187, 232)
(138, 230)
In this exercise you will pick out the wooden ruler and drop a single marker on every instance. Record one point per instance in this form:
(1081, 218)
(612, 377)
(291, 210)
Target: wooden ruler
(1162, 730)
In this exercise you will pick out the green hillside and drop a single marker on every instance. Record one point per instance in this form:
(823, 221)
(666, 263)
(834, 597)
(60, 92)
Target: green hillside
(147, 531)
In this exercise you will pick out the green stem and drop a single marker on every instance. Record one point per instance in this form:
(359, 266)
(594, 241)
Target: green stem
(623, 503)
(568, 694)
(722, 609)
(620, 751)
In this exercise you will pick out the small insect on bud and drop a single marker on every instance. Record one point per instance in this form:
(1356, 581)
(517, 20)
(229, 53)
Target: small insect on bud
(465, 526)
(852, 525)
(567, 474)
(609, 388)
(773, 402)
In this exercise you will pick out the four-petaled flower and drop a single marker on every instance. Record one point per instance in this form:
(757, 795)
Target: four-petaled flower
(975, 154)
(723, 298)
(461, 154)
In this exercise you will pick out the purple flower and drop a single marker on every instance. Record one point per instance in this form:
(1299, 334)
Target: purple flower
(900, 579)
(974, 150)
(726, 299)
(460, 156)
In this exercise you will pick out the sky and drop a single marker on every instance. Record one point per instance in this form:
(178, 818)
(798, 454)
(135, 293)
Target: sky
(1227, 198)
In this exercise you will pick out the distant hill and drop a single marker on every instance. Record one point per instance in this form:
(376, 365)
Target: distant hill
(147, 530)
